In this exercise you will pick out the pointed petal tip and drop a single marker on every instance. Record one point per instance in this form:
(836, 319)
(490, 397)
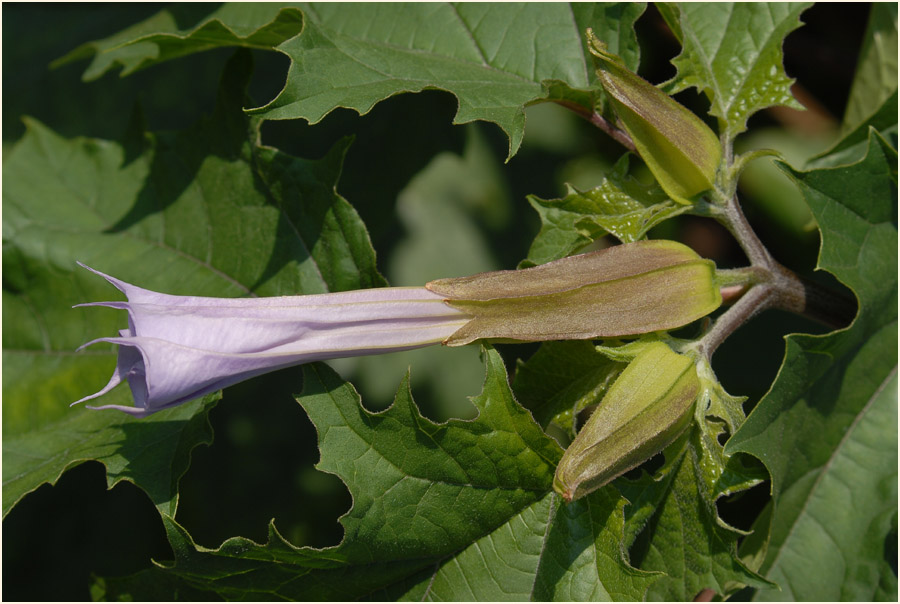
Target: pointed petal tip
(92, 342)
(117, 283)
(93, 270)
(86, 398)
(112, 304)
(133, 411)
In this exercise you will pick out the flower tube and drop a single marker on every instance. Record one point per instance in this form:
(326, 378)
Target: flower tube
(177, 348)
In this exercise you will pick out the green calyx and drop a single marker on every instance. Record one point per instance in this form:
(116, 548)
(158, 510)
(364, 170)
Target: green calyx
(648, 406)
(681, 151)
(628, 289)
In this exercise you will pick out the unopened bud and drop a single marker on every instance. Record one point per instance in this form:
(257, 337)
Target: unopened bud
(628, 289)
(645, 410)
(681, 151)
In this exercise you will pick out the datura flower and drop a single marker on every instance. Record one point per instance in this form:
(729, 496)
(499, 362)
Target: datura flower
(177, 348)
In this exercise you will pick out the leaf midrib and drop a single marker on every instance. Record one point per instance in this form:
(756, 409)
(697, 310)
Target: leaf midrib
(823, 471)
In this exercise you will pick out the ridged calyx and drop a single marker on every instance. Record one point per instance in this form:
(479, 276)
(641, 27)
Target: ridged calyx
(646, 409)
(679, 148)
(628, 289)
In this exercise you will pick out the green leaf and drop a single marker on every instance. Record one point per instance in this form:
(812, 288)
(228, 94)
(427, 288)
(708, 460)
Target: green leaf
(549, 552)
(876, 70)
(619, 205)
(682, 534)
(166, 35)
(570, 555)
(732, 53)
(852, 147)
(205, 212)
(153, 454)
(150, 585)
(431, 502)
(561, 379)
(496, 58)
(398, 509)
(826, 430)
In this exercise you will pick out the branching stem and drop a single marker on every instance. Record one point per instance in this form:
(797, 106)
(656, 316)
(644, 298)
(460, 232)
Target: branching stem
(765, 283)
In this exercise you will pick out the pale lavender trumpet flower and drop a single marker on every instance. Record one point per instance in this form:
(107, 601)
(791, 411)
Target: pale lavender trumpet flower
(177, 348)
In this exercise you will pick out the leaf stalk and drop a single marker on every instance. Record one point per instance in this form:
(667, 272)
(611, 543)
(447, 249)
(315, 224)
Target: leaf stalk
(619, 135)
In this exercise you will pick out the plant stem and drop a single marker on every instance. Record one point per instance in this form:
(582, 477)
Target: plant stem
(620, 136)
(765, 283)
(757, 299)
(768, 284)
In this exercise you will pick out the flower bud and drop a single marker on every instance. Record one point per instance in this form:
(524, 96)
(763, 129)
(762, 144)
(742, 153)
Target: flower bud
(628, 289)
(645, 410)
(681, 151)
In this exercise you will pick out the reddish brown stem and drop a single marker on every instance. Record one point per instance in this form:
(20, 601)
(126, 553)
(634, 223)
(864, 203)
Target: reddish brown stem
(619, 135)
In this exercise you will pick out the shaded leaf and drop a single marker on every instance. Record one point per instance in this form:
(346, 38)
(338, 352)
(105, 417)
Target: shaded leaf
(876, 70)
(206, 212)
(149, 585)
(619, 205)
(183, 29)
(495, 58)
(153, 454)
(825, 430)
(852, 147)
(561, 379)
(732, 53)
(684, 537)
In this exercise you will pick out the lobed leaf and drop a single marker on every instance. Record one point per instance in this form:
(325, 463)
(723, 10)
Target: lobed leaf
(732, 53)
(826, 430)
(206, 212)
(496, 58)
(168, 35)
(619, 206)
(678, 529)
(431, 503)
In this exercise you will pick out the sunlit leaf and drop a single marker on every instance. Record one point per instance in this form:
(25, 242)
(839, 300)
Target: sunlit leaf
(732, 53)
(619, 206)
(827, 428)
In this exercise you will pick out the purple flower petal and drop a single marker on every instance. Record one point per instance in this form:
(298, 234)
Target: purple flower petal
(178, 348)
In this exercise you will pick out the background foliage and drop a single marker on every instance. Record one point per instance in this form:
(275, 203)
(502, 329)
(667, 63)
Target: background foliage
(161, 179)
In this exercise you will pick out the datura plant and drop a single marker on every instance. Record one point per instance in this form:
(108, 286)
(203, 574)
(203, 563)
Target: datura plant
(617, 450)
